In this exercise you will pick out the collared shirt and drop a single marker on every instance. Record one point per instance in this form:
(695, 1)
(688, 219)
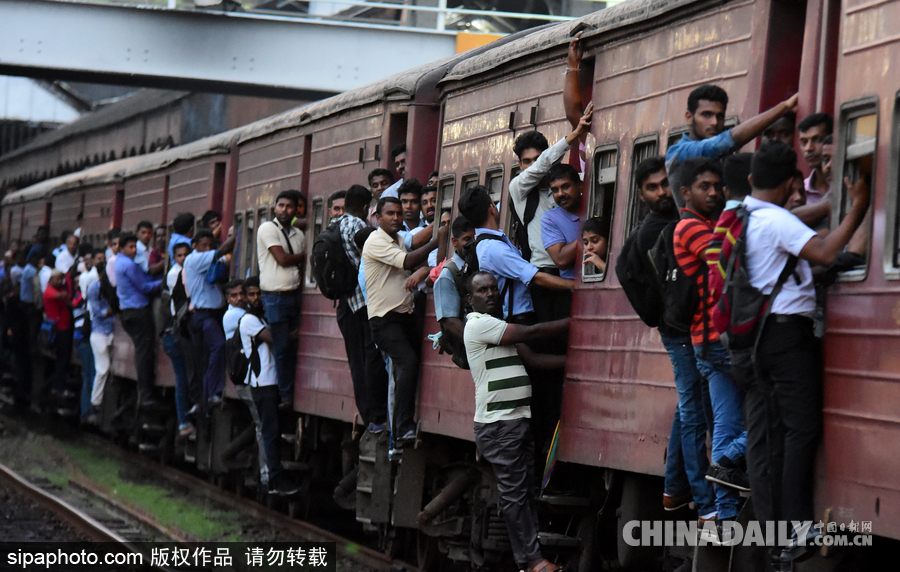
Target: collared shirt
(171, 282)
(521, 187)
(272, 276)
(266, 375)
(111, 269)
(44, 275)
(392, 191)
(813, 195)
(687, 148)
(133, 285)
(86, 279)
(57, 309)
(775, 233)
(559, 226)
(15, 274)
(98, 306)
(502, 259)
(205, 296)
(502, 386)
(177, 239)
(26, 283)
(142, 258)
(349, 226)
(64, 260)
(383, 257)
(446, 296)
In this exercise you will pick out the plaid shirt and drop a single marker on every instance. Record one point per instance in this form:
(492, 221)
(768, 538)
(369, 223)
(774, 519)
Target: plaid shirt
(350, 225)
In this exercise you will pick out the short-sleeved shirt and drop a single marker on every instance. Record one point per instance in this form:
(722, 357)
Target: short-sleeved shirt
(26, 283)
(775, 233)
(813, 195)
(385, 276)
(349, 226)
(692, 236)
(142, 256)
(230, 319)
(44, 276)
(272, 276)
(176, 239)
(446, 296)
(502, 386)
(64, 260)
(251, 326)
(560, 226)
(504, 261)
(86, 279)
(204, 295)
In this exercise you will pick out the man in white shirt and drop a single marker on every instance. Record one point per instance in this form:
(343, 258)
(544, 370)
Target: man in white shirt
(66, 257)
(112, 252)
(281, 251)
(144, 233)
(783, 407)
(496, 351)
(89, 276)
(174, 343)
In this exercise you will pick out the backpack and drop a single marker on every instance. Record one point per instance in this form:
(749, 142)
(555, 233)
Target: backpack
(334, 273)
(639, 282)
(519, 227)
(236, 363)
(741, 309)
(449, 343)
(680, 295)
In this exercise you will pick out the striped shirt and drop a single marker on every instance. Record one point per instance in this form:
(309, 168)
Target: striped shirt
(692, 236)
(502, 386)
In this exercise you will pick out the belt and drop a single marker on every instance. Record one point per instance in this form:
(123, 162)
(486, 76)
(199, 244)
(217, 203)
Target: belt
(792, 319)
(549, 270)
(280, 292)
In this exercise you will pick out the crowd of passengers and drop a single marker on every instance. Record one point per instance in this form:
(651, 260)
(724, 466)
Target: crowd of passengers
(503, 306)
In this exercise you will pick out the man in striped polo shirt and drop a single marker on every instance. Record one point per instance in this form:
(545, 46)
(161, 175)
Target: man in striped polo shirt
(503, 409)
(701, 181)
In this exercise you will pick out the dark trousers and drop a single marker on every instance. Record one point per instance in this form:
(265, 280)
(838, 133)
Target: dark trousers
(370, 379)
(139, 325)
(396, 335)
(509, 448)
(206, 329)
(24, 320)
(283, 316)
(783, 412)
(550, 304)
(62, 347)
(263, 404)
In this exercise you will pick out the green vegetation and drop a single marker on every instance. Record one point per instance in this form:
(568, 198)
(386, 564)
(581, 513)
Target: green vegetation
(192, 516)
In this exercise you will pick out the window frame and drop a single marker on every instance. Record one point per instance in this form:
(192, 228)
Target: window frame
(469, 176)
(506, 219)
(891, 252)
(848, 112)
(444, 182)
(595, 183)
(315, 203)
(239, 230)
(633, 202)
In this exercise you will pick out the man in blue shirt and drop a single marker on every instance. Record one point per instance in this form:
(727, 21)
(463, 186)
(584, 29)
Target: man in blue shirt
(559, 226)
(135, 289)
(209, 307)
(102, 329)
(182, 231)
(707, 137)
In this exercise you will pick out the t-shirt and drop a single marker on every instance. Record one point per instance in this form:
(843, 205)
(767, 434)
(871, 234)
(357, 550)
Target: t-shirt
(230, 319)
(142, 256)
(692, 236)
(502, 386)
(111, 269)
(86, 279)
(559, 226)
(57, 309)
(251, 326)
(64, 260)
(383, 259)
(44, 275)
(272, 276)
(775, 233)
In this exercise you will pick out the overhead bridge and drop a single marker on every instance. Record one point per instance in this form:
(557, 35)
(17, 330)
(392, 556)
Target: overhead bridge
(258, 54)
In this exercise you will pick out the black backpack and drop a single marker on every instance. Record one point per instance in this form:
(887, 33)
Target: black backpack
(334, 274)
(680, 294)
(236, 363)
(639, 281)
(520, 226)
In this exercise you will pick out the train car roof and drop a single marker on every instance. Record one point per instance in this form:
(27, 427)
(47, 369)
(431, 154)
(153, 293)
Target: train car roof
(115, 171)
(554, 35)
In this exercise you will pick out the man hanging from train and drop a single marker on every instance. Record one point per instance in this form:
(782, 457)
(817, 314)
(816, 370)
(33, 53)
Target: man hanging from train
(783, 407)
(281, 250)
(387, 263)
(707, 136)
(144, 233)
(135, 289)
(686, 462)
(182, 231)
(560, 231)
(497, 357)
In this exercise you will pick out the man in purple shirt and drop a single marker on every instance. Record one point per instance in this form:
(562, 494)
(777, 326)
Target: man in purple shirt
(135, 289)
(559, 226)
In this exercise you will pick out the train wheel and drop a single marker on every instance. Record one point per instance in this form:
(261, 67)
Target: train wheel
(589, 559)
(641, 495)
(427, 552)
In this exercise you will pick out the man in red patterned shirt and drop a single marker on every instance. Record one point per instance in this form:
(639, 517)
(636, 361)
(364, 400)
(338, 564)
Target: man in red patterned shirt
(701, 181)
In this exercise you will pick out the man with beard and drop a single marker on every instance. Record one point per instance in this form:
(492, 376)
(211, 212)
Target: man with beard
(813, 130)
(707, 136)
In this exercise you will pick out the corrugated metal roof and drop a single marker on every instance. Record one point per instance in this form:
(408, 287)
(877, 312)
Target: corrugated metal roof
(554, 35)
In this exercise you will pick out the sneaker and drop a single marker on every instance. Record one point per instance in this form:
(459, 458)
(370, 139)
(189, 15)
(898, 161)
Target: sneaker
(721, 534)
(377, 428)
(733, 478)
(675, 502)
(286, 404)
(283, 487)
(798, 551)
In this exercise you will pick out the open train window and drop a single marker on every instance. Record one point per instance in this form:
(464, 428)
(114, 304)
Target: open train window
(237, 268)
(858, 136)
(318, 214)
(249, 266)
(602, 201)
(469, 179)
(644, 148)
(892, 220)
(493, 180)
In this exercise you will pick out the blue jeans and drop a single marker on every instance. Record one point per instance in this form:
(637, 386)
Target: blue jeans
(283, 315)
(691, 419)
(729, 438)
(207, 326)
(86, 355)
(172, 346)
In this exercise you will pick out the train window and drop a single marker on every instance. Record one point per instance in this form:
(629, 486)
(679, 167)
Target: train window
(675, 136)
(446, 191)
(249, 265)
(509, 224)
(892, 220)
(493, 180)
(239, 246)
(469, 179)
(318, 214)
(858, 134)
(644, 148)
(601, 202)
